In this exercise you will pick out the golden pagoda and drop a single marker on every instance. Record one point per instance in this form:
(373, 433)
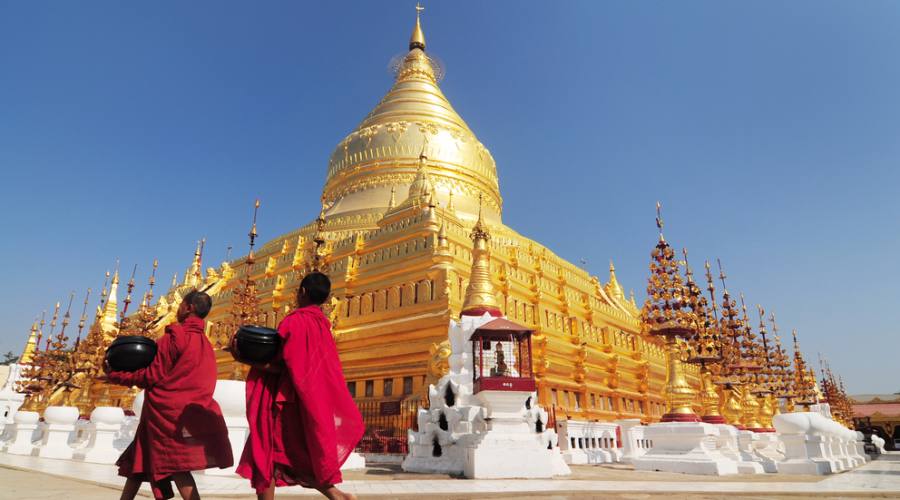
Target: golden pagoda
(405, 192)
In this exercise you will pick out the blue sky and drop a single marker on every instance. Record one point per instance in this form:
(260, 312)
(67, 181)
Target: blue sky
(767, 129)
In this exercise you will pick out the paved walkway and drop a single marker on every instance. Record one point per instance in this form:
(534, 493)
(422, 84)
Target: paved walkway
(29, 478)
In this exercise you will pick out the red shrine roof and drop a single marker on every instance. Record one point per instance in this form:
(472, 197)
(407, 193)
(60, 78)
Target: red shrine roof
(867, 410)
(500, 328)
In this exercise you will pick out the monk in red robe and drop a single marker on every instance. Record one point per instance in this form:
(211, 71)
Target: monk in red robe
(303, 421)
(181, 427)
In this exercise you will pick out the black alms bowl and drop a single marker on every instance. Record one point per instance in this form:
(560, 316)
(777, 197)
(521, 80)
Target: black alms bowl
(130, 353)
(256, 344)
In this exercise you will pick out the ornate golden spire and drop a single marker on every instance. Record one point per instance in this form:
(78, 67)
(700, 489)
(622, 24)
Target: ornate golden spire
(245, 304)
(417, 39)
(421, 190)
(480, 296)
(613, 287)
(110, 309)
(442, 236)
(194, 276)
(668, 314)
(30, 346)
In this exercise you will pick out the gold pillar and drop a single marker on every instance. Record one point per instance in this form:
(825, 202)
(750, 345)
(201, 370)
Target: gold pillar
(732, 408)
(679, 394)
(709, 397)
(767, 408)
(750, 411)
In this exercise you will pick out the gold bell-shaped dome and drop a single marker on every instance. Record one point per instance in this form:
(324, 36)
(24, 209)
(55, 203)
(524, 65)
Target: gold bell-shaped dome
(382, 154)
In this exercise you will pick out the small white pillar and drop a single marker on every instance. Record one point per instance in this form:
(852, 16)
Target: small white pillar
(105, 424)
(631, 432)
(24, 427)
(59, 424)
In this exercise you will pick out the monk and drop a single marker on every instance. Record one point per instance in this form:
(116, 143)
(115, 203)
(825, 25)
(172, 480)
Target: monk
(181, 427)
(303, 421)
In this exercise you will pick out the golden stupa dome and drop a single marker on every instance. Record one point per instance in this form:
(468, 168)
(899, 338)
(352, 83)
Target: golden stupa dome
(382, 153)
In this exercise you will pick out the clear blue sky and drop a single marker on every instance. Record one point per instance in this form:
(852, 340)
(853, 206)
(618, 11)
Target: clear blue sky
(769, 130)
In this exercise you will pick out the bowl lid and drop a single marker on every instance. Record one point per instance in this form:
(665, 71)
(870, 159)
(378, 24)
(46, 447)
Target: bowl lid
(132, 339)
(258, 329)
(259, 334)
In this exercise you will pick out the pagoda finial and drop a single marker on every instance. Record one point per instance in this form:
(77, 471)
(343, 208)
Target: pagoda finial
(442, 236)
(613, 286)
(711, 288)
(110, 307)
(127, 301)
(52, 326)
(393, 201)
(480, 297)
(417, 39)
(30, 346)
(151, 282)
(659, 220)
(41, 328)
(194, 275)
(83, 318)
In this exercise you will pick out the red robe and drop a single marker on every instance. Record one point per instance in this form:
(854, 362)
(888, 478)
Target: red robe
(181, 427)
(303, 421)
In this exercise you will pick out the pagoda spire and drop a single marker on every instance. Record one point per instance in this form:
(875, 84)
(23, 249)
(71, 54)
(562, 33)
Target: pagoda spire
(194, 276)
(30, 346)
(110, 309)
(417, 39)
(480, 294)
(613, 287)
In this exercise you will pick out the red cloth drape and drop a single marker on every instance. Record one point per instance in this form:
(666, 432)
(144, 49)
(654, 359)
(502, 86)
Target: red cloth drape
(303, 421)
(181, 427)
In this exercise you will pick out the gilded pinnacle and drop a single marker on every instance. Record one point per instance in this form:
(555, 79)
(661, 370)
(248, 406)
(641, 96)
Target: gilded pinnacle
(417, 39)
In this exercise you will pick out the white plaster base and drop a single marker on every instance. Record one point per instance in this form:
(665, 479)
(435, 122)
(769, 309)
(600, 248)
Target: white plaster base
(492, 458)
(685, 447)
(59, 426)
(354, 462)
(765, 447)
(23, 432)
(106, 422)
(804, 455)
(728, 444)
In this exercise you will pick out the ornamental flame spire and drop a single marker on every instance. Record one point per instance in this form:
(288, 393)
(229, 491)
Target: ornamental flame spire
(667, 307)
(245, 304)
(667, 313)
(480, 296)
(804, 383)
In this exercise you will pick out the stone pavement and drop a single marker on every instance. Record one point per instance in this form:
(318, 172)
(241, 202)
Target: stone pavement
(30, 478)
